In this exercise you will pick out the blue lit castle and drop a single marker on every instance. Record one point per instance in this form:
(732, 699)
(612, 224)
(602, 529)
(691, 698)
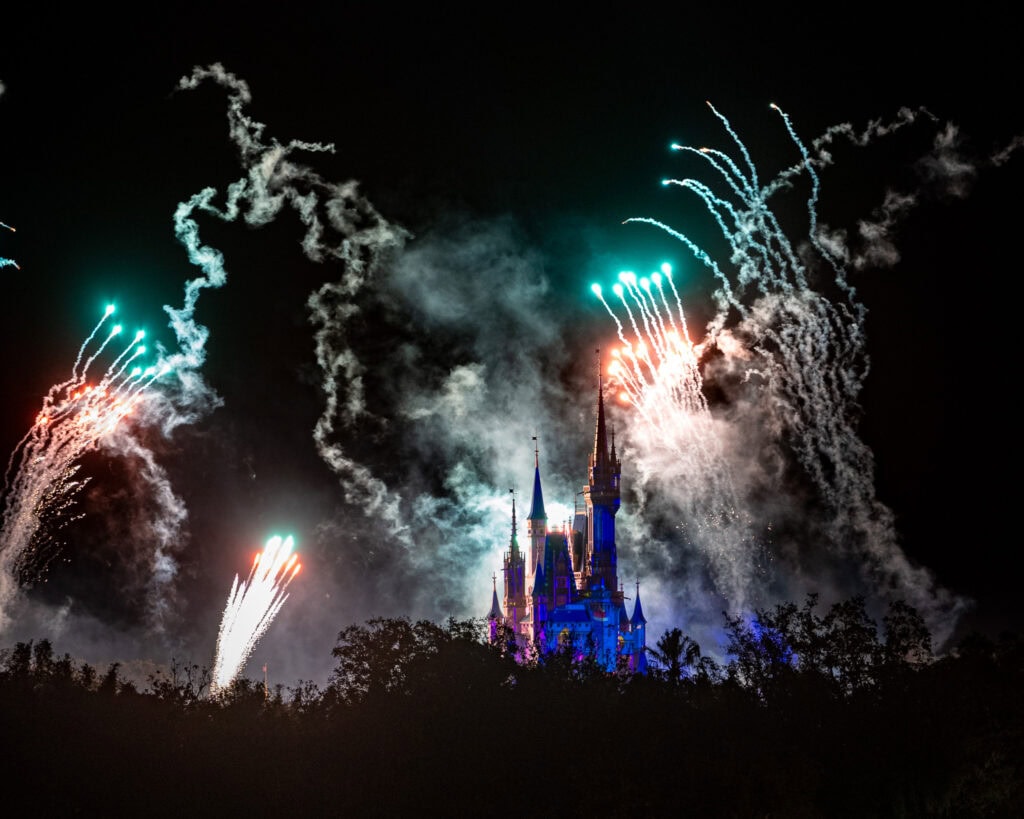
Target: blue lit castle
(565, 589)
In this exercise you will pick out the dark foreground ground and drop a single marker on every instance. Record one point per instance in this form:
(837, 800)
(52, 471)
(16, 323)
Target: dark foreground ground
(819, 716)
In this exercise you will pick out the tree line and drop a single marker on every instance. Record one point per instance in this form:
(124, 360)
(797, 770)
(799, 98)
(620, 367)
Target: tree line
(811, 714)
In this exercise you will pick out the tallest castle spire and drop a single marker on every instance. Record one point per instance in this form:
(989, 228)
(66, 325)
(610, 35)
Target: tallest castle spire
(602, 496)
(600, 456)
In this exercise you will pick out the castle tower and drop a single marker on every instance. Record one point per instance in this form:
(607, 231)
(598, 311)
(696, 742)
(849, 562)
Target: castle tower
(539, 609)
(602, 496)
(555, 579)
(638, 630)
(536, 523)
(494, 616)
(515, 580)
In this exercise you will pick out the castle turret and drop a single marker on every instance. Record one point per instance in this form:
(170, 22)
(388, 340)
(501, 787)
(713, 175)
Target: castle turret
(515, 579)
(539, 607)
(638, 630)
(494, 616)
(559, 584)
(602, 496)
(536, 521)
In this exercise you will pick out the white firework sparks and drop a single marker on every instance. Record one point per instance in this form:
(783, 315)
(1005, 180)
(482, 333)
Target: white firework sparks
(658, 374)
(789, 339)
(76, 417)
(251, 608)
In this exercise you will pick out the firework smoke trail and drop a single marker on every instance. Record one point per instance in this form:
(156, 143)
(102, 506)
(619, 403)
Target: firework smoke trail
(803, 351)
(341, 225)
(4, 262)
(76, 417)
(251, 608)
(659, 375)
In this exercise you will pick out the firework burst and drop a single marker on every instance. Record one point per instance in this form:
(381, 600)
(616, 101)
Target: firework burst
(788, 338)
(657, 372)
(251, 608)
(41, 484)
(804, 346)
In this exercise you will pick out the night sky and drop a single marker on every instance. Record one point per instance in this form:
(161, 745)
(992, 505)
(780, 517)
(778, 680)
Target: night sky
(376, 394)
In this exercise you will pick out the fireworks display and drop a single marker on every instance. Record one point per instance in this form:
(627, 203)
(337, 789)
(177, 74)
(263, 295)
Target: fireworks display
(41, 482)
(796, 353)
(411, 230)
(809, 348)
(658, 371)
(251, 608)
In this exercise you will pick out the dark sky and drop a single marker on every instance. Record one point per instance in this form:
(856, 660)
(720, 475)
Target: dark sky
(505, 148)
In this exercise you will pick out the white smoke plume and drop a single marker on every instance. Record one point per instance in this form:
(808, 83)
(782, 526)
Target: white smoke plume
(416, 527)
(1002, 156)
(473, 376)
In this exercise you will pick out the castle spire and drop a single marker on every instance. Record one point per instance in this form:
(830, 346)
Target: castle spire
(537, 512)
(600, 433)
(638, 618)
(638, 631)
(602, 495)
(495, 612)
(515, 577)
(513, 546)
(536, 524)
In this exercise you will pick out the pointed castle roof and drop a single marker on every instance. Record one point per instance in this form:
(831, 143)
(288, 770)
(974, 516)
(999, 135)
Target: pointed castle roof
(539, 580)
(638, 618)
(513, 546)
(600, 433)
(495, 612)
(604, 464)
(537, 503)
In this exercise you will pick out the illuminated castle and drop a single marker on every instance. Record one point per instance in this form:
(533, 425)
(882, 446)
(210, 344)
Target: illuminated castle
(565, 589)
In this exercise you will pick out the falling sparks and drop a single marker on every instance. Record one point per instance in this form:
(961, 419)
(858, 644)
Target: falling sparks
(663, 345)
(251, 608)
(788, 335)
(809, 348)
(40, 483)
(658, 373)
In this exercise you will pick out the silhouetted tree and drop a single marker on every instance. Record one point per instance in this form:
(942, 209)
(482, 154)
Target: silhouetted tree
(854, 650)
(816, 715)
(908, 642)
(676, 656)
(184, 686)
(304, 697)
(18, 661)
(763, 657)
(111, 682)
(375, 659)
